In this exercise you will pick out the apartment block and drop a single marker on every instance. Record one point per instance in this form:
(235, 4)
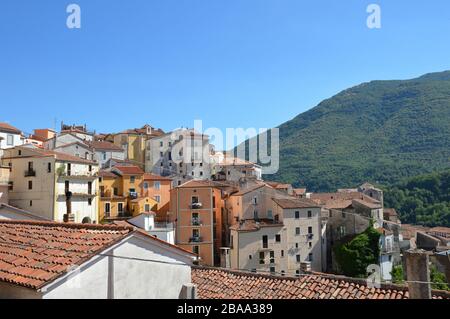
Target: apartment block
(40, 179)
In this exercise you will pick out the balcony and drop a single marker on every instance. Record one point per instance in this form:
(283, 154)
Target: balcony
(196, 222)
(30, 173)
(195, 239)
(310, 236)
(77, 176)
(196, 205)
(133, 195)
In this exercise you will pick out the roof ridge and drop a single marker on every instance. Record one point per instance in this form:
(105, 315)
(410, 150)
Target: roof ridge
(67, 225)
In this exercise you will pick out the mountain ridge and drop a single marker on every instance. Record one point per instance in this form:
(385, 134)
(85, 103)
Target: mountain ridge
(379, 131)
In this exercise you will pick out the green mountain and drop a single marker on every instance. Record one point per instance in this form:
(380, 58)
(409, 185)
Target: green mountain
(423, 199)
(379, 132)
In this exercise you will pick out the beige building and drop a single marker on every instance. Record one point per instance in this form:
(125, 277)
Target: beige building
(40, 179)
(4, 184)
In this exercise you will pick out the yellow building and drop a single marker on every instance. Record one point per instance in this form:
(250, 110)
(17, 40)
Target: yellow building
(133, 142)
(122, 193)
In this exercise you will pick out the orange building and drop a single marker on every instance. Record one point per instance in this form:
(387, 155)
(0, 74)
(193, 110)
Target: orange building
(158, 188)
(122, 193)
(197, 209)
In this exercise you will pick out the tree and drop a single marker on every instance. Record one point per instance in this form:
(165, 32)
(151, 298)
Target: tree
(397, 274)
(438, 279)
(354, 256)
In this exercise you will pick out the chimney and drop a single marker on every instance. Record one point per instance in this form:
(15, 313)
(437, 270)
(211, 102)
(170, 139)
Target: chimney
(188, 291)
(69, 217)
(418, 274)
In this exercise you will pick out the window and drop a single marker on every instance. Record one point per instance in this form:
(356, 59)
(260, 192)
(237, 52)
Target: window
(297, 258)
(69, 169)
(265, 241)
(296, 245)
(161, 154)
(132, 179)
(282, 253)
(269, 214)
(10, 186)
(116, 191)
(310, 244)
(157, 185)
(161, 144)
(9, 140)
(278, 238)
(90, 201)
(31, 203)
(272, 257)
(30, 184)
(250, 257)
(214, 201)
(30, 166)
(66, 186)
(297, 214)
(147, 208)
(297, 272)
(310, 230)
(90, 168)
(255, 200)
(49, 167)
(343, 215)
(196, 250)
(195, 233)
(145, 185)
(309, 214)
(310, 257)
(255, 215)
(90, 188)
(104, 156)
(120, 208)
(107, 209)
(158, 198)
(262, 258)
(201, 173)
(19, 152)
(297, 230)
(194, 200)
(282, 273)
(272, 270)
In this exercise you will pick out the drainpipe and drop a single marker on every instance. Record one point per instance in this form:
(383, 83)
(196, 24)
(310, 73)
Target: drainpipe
(418, 274)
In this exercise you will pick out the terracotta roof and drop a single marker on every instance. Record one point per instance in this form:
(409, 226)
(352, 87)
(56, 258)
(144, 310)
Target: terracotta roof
(153, 177)
(216, 283)
(250, 225)
(5, 127)
(409, 231)
(200, 183)
(340, 200)
(235, 161)
(295, 203)
(104, 145)
(129, 170)
(445, 230)
(251, 188)
(390, 212)
(106, 173)
(299, 191)
(58, 155)
(32, 254)
(278, 185)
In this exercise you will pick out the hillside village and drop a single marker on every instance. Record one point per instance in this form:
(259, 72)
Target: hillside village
(143, 213)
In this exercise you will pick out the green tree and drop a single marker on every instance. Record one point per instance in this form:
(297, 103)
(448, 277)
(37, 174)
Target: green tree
(397, 274)
(438, 279)
(354, 256)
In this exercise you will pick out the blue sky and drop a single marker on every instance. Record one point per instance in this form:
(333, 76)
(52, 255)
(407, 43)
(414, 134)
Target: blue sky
(231, 63)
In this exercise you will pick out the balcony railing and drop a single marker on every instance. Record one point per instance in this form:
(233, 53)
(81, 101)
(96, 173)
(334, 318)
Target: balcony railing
(195, 239)
(196, 222)
(310, 236)
(30, 173)
(196, 205)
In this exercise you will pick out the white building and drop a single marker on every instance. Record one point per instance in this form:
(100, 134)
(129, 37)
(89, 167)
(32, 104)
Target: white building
(226, 168)
(182, 154)
(39, 180)
(146, 222)
(105, 262)
(9, 137)
(8, 212)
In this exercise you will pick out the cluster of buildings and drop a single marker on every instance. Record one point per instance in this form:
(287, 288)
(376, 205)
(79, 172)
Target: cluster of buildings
(171, 198)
